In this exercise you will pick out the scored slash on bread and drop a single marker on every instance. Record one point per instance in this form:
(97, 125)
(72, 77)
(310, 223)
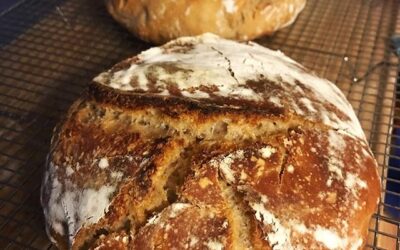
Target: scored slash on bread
(209, 143)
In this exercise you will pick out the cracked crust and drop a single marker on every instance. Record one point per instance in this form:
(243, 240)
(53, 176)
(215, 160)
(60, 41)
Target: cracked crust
(160, 21)
(135, 169)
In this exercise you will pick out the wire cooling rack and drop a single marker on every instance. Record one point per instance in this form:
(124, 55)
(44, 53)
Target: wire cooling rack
(50, 49)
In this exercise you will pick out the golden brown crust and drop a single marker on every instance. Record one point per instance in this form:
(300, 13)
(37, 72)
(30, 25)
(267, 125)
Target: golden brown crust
(297, 189)
(161, 21)
(130, 170)
(175, 106)
(185, 226)
(117, 241)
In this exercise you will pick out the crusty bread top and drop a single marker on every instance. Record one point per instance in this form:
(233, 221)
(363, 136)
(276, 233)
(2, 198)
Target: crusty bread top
(316, 200)
(204, 126)
(220, 72)
(160, 21)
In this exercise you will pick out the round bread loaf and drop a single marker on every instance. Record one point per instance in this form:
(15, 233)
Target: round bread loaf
(159, 21)
(210, 143)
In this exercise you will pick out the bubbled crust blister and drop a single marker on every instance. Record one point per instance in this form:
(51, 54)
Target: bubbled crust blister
(160, 21)
(147, 150)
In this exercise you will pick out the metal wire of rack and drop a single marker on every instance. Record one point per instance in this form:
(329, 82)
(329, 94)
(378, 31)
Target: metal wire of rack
(50, 49)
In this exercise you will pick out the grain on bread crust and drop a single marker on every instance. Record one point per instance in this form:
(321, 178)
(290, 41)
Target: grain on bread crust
(257, 153)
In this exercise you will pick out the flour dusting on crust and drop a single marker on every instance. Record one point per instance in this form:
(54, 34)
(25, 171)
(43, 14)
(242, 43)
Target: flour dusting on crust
(79, 206)
(229, 5)
(195, 141)
(215, 70)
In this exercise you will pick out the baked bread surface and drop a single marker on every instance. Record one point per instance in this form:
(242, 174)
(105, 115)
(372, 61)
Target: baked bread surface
(207, 143)
(159, 21)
